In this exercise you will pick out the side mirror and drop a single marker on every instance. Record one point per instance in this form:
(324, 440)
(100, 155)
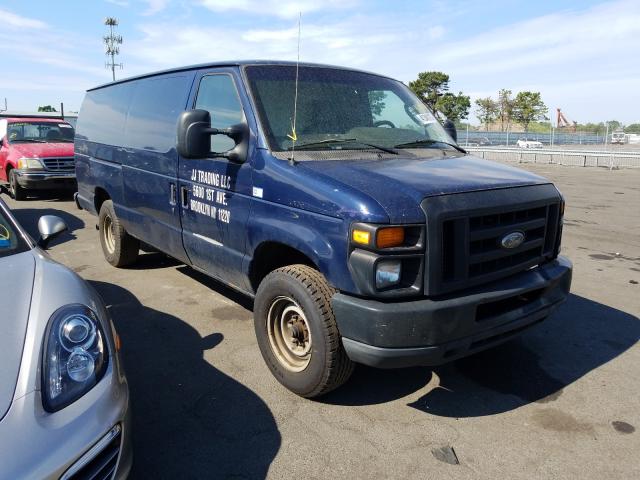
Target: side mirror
(450, 128)
(194, 137)
(49, 227)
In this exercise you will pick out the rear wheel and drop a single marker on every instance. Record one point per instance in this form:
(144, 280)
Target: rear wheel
(119, 248)
(297, 332)
(17, 192)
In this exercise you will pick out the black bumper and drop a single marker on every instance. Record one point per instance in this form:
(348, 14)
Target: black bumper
(434, 331)
(43, 180)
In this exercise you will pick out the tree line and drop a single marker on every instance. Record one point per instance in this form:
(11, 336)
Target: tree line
(525, 108)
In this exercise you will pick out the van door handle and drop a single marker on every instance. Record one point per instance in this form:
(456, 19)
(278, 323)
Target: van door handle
(173, 196)
(184, 196)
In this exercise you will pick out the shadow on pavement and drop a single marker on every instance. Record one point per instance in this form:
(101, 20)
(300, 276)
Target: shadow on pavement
(370, 386)
(190, 420)
(580, 337)
(28, 218)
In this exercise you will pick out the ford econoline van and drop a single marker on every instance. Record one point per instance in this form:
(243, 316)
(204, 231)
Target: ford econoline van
(333, 197)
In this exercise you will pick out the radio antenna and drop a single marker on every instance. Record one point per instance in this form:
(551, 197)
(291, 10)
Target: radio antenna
(293, 135)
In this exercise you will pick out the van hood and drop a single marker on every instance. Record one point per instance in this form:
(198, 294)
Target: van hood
(42, 150)
(16, 287)
(400, 184)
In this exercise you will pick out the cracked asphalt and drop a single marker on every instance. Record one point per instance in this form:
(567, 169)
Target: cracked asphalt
(561, 401)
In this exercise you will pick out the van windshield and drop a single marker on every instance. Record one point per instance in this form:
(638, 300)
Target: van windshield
(340, 109)
(39, 132)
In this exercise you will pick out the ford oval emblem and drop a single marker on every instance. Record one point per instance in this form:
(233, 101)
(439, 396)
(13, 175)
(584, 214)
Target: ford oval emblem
(512, 240)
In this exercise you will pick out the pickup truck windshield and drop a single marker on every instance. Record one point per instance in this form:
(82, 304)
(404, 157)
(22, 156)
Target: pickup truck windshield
(39, 132)
(340, 109)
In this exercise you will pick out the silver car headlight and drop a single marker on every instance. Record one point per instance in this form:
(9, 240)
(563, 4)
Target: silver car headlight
(75, 356)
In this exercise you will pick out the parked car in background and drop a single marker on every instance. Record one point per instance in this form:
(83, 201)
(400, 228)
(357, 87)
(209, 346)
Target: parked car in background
(524, 143)
(35, 154)
(478, 142)
(64, 399)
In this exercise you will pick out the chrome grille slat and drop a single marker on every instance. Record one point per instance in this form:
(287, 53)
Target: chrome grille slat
(103, 465)
(59, 164)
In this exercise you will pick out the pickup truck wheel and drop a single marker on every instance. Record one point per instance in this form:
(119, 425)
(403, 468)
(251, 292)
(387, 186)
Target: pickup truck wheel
(297, 332)
(118, 246)
(17, 192)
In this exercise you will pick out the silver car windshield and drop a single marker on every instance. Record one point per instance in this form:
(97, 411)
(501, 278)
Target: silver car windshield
(340, 109)
(11, 242)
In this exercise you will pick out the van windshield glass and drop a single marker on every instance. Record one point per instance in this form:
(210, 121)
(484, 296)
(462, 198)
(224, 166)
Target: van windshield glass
(39, 132)
(340, 109)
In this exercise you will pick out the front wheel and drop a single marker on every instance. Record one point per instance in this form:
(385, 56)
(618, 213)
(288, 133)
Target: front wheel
(17, 192)
(118, 246)
(297, 332)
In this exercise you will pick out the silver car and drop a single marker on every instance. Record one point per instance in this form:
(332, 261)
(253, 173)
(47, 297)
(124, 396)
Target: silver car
(64, 399)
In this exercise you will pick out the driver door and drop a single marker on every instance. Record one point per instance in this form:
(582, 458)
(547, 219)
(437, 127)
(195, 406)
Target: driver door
(215, 194)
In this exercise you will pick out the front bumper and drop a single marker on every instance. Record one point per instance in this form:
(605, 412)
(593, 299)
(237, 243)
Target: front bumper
(32, 180)
(435, 331)
(38, 444)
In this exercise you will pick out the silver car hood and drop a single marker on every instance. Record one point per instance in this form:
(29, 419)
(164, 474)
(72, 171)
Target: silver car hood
(16, 286)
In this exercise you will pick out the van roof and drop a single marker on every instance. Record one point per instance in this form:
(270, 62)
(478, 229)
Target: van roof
(230, 63)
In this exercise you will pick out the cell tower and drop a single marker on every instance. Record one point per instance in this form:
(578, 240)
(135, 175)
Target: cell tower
(112, 44)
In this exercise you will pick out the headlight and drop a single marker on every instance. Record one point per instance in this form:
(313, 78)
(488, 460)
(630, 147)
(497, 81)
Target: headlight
(26, 163)
(75, 356)
(388, 273)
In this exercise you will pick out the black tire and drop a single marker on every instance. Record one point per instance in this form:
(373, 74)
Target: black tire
(119, 248)
(16, 191)
(305, 294)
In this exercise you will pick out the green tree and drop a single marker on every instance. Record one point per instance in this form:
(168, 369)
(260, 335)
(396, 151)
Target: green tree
(633, 128)
(454, 107)
(47, 108)
(505, 108)
(430, 86)
(614, 125)
(433, 89)
(487, 110)
(528, 107)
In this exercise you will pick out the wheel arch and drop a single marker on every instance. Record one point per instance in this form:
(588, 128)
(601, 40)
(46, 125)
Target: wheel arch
(270, 255)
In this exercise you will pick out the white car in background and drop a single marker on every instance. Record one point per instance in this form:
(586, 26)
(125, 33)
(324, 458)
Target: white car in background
(524, 143)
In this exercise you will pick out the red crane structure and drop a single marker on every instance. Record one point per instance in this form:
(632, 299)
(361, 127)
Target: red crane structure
(562, 122)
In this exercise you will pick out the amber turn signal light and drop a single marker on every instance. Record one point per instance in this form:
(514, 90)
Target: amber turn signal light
(390, 237)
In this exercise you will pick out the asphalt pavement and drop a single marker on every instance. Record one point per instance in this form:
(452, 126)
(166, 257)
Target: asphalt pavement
(561, 401)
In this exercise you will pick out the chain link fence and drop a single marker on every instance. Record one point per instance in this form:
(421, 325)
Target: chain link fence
(574, 157)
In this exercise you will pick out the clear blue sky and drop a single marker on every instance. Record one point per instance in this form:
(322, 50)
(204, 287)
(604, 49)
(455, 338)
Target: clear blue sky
(581, 55)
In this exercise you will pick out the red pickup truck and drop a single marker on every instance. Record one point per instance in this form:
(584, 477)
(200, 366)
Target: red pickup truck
(36, 153)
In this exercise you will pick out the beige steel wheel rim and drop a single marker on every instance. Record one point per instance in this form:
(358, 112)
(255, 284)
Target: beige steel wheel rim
(289, 334)
(109, 237)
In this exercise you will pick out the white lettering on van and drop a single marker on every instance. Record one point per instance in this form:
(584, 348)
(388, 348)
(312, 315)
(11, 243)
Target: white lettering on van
(213, 179)
(224, 215)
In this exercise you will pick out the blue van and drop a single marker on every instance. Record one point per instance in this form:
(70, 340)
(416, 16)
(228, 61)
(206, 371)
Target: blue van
(336, 200)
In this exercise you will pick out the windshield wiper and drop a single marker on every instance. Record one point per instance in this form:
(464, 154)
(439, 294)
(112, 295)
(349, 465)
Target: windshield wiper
(337, 141)
(28, 140)
(417, 143)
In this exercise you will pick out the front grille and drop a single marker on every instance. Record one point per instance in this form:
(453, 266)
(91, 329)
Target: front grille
(59, 164)
(467, 251)
(486, 254)
(103, 465)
